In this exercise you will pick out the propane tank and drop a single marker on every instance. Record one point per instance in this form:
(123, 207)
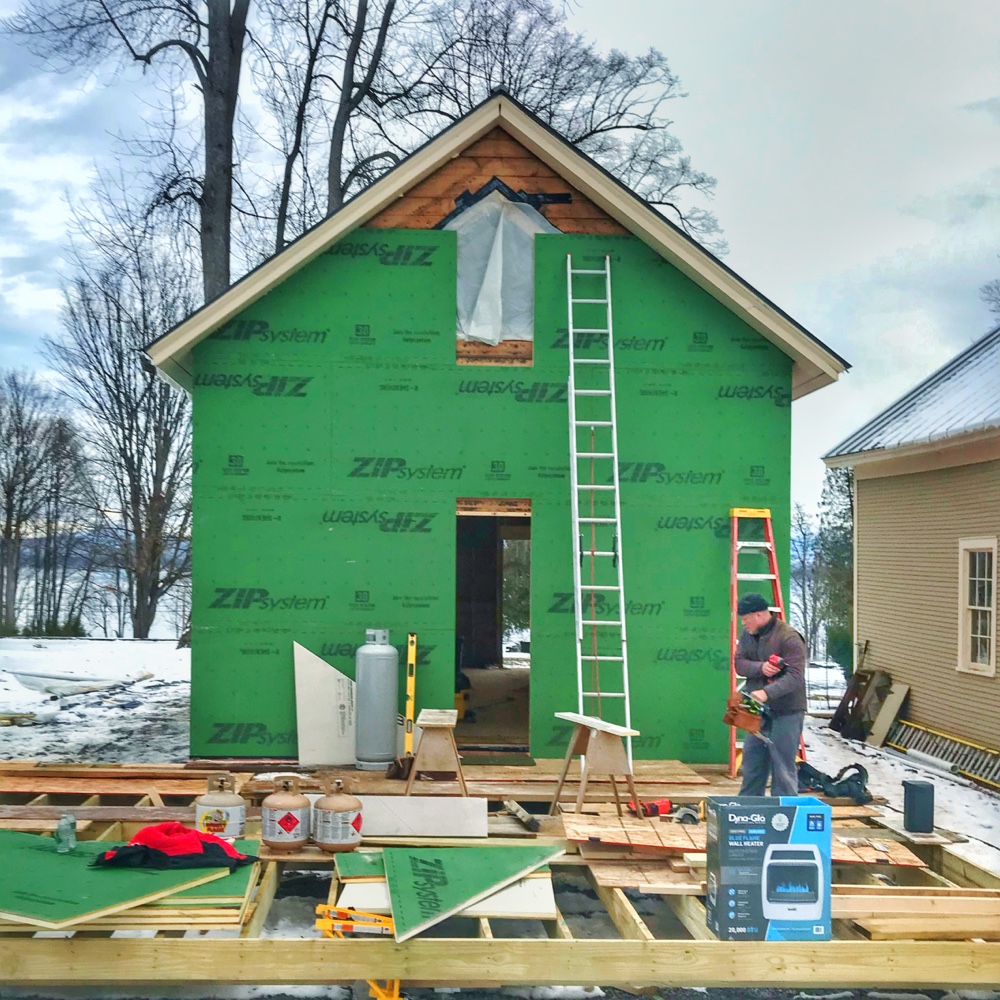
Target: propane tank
(336, 819)
(284, 816)
(376, 678)
(220, 810)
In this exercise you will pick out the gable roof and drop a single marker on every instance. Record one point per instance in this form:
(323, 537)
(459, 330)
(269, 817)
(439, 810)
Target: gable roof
(959, 399)
(814, 364)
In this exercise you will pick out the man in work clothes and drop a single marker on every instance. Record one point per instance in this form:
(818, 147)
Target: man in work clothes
(771, 655)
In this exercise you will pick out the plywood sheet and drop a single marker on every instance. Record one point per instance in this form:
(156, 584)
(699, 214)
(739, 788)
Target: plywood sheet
(526, 899)
(423, 816)
(427, 885)
(46, 889)
(324, 711)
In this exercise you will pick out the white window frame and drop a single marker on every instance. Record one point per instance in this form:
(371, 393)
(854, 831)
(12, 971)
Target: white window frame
(965, 663)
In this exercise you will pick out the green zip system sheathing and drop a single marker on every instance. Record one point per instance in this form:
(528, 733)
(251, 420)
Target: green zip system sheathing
(334, 432)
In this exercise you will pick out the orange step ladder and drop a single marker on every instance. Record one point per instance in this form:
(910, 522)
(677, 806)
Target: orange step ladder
(737, 575)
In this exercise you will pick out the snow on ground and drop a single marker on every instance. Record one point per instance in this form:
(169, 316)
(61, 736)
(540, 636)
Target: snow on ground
(141, 722)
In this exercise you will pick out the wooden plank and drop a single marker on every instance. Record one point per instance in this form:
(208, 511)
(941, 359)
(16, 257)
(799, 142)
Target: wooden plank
(35, 783)
(652, 877)
(690, 911)
(834, 964)
(261, 905)
(925, 928)
(558, 929)
(857, 907)
(887, 714)
(623, 914)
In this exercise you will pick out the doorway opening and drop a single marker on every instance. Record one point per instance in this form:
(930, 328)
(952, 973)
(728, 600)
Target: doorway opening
(493, 623)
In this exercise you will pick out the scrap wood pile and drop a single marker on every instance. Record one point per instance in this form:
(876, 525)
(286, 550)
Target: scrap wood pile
(47, 890)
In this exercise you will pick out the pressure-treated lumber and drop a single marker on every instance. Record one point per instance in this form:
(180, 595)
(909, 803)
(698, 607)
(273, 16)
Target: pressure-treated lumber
(951, 928)
(690, 911)
(623, 914)
(835, 964)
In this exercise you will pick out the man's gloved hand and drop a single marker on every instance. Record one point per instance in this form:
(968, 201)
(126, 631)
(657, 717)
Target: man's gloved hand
(774, 665)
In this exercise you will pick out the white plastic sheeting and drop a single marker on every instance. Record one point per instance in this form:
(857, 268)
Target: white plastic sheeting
(496, 269)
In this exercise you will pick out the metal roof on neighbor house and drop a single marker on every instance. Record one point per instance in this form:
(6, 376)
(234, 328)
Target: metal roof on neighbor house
(960, 398)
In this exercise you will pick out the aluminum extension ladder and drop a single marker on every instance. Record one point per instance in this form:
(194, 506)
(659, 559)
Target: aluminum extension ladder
(599, 600)
(741, 546)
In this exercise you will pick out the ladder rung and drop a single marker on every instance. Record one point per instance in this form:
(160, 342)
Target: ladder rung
(593, 302)
(596, 552)
(591, 392)
(597, 621)
(584, 270)
(595, 454)
(591, 361)
(590, 329)
(756, 576)
(593, 423)
(617, 659)
(753, 545)
(593, 486)
(594, 586)
(604, 694)
(598, 520)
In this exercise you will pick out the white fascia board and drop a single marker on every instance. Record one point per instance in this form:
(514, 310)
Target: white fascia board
(177, 344)
(814, 368)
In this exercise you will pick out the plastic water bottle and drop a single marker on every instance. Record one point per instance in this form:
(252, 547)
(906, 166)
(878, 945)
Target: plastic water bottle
(66, 833)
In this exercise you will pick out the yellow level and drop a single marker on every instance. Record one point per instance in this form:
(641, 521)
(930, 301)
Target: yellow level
(750, 512)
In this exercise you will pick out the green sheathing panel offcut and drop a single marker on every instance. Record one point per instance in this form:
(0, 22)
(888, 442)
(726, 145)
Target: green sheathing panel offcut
(333, 432)
(46, 889)
(428, 884)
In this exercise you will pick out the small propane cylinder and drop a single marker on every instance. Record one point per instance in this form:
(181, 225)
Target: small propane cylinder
(284, 816)
(220, 810)
(336, 819)
(376, 699)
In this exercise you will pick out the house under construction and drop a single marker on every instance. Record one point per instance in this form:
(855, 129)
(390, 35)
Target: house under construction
(384, 403)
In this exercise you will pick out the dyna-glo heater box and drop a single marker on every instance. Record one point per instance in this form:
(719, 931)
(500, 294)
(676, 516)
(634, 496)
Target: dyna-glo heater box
(768, 869)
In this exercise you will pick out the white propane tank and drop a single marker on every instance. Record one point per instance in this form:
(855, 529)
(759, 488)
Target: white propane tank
(220, 810)
(284, 816)
(376, 694)
(336, 819)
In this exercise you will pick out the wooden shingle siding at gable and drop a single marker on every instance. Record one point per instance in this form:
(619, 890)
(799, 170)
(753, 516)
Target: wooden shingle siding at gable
(909, 528)
(496, 154)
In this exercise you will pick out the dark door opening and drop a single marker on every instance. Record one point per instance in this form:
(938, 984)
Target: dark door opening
(493, 627)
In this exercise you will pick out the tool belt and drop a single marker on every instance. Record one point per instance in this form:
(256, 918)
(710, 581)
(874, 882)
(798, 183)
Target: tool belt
(738, 715)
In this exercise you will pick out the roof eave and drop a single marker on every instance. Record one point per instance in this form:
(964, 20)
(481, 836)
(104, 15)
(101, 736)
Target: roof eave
(940, 446)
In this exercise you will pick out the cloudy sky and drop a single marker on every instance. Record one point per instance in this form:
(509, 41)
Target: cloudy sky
(856, 145)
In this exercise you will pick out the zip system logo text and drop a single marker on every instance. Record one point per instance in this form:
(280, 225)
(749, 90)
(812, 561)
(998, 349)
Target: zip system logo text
(403, 522)
(383, 467)
(260, 330)
(244, 598)
(401, 255)
(657, 472)
(259, 385)
(562, 603)
(522, 392)
(778, 394)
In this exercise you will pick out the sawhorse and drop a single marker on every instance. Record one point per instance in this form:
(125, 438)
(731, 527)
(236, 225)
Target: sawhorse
(601, 746)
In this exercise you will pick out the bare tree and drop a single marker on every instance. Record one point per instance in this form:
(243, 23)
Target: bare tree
(835, 565)
(803, 577)
(63, 543)
(25, 433)
(207, 39)
(131, 285)
(990, 294)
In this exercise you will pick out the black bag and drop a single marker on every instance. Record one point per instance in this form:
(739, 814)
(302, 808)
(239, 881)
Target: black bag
(849, 782)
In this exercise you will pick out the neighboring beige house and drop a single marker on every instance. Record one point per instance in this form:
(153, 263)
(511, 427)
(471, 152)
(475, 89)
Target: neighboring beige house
(927, 517)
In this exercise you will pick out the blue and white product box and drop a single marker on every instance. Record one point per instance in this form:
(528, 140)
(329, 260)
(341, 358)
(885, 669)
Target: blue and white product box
(768, 868)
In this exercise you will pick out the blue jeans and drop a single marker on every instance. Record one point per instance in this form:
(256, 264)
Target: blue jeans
(777, 758)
